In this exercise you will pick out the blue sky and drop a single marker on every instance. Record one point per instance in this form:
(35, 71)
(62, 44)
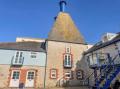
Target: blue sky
(35, 18)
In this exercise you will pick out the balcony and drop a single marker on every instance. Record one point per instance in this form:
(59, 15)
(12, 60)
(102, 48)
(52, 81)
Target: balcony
(67, 66)
(97, 60)
(17, 61)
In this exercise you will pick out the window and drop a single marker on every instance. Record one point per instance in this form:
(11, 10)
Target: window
(68, 75)
(67, 49)
(101, 55)
(53, 73)
(79, 74)
(30, 75)
(18, 58)
(67, 60)
(33, 55)
(15, 75)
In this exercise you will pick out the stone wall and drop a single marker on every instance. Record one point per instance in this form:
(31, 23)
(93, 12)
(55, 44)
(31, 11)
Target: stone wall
(55, 54)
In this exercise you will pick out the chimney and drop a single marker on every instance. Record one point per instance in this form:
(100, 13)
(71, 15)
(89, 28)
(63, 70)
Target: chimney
(62, 5)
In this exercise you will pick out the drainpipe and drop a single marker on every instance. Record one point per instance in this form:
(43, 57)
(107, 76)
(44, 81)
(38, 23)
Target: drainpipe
(117, 48)
(95, 74)
(109, 58)
(45, 69)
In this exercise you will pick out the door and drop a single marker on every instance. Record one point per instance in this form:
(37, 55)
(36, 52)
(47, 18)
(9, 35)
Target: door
(30, 79)
(14, 80)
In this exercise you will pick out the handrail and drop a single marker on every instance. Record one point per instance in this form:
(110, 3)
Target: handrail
(93, 72)
(107, 66)
(105, 54)
(83, 80)
(60, 79)
(87, 79)
(89, 76)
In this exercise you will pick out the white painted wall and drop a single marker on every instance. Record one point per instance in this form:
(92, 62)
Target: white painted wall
(6, 57)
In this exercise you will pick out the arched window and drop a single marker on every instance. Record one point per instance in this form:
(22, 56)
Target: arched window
(67, 60)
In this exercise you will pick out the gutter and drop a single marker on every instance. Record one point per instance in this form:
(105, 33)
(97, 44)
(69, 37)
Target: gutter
(107, 44)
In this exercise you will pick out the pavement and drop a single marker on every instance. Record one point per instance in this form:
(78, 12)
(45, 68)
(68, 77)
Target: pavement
(81, 87)
(71, 88)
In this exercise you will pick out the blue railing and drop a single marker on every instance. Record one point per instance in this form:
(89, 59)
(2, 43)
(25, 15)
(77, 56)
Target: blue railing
(110, 68)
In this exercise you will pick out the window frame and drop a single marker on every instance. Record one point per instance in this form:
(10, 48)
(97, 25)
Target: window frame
(78, 76)
(68, 50)
(30, 76)
(17, 76)
(33, 55)
(18, 58)
(67, 61)
(68, 73)
(51, 73)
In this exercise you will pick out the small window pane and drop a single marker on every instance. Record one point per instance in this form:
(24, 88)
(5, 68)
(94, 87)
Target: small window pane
(30, 75)
(67, 60)
(18, 58)
(79, 74)
(68, 75)
(53, 74)
(15, 75)
(33, 54)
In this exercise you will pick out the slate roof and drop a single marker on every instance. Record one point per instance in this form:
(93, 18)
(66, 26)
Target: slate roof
(101, 45)
(65, 30)
(24, 46)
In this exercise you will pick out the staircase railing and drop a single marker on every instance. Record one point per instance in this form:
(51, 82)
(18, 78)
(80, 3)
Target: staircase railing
(92, 74)
(59, 81)
(84, 82)
(107, 66)
(108, 62)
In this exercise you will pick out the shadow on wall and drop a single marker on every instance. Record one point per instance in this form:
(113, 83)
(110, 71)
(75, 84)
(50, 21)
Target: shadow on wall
(79, 74)
(80, 87)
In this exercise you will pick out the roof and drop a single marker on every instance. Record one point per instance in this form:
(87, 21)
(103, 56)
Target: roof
(24, 46)
(65, 30)
(101, 45)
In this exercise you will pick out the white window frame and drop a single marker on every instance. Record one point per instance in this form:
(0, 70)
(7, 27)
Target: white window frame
(68, 73)
(29, 77)
(68, 50)
(53, 72)
(79, 74)
(12, 75)
(18, 58)
(69, 61)
(33, 55)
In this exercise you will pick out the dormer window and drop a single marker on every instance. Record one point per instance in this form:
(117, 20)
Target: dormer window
(67, 61)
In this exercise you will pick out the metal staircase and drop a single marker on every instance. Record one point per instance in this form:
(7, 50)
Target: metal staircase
(109, 70)
(62, 82)
(108, 73)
